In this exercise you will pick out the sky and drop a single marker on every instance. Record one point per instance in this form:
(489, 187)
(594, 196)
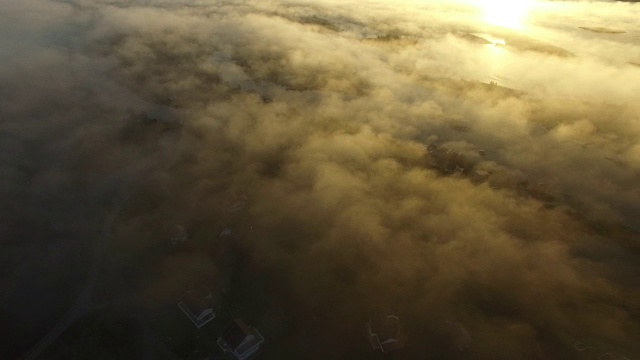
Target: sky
(470, 166)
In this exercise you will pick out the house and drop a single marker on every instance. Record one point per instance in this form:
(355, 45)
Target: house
(386, 334)
(198, 306)
(459, 335)
(225, 233)
(235, 201)
(178, 234)
(479, 176)
(240, 340)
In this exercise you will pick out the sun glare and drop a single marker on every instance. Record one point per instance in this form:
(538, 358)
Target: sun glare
(506, 13)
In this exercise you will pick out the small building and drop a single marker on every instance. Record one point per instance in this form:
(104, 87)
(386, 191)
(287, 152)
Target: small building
(225, 233)
(235, 201)
(479, 176)
(240, 340)
(459, 335)
(386, 334)
(178, 234)
(198, 306)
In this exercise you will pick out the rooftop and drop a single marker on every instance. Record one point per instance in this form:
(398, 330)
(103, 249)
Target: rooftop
(198, 306)
(241, 340)
(385, 333)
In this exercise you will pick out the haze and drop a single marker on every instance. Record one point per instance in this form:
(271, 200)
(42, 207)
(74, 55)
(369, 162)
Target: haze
(471, 167)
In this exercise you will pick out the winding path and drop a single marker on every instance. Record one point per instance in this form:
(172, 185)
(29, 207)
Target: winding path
(83, 302)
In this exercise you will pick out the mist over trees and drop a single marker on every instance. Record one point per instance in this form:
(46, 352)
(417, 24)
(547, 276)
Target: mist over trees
(324, 163)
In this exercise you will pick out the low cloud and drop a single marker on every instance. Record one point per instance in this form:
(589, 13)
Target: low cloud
(398, 157)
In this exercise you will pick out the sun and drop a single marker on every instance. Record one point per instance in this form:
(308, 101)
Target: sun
(506, 13)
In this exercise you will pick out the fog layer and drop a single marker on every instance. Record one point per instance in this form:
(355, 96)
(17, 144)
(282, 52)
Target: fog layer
(398, 157)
